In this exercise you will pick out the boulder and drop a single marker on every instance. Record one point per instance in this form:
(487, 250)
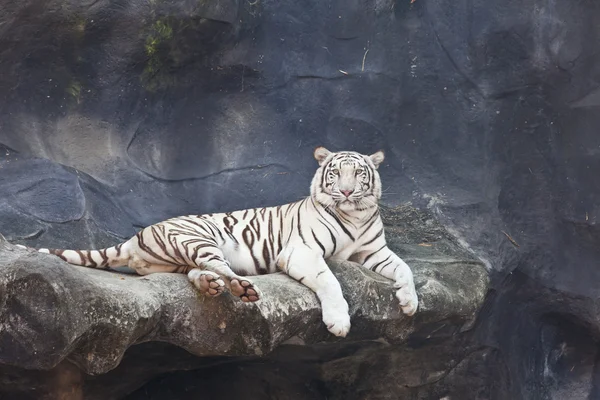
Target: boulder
(78, 323)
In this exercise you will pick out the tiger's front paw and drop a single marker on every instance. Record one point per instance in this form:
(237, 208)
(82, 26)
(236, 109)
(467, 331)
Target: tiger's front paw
(336, 319)
(407, 296)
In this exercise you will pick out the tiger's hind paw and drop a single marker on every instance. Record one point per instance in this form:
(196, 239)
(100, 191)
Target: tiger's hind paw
(207, 282)
(245, 290)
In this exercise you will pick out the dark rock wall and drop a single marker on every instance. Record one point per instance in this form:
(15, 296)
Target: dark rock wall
(487, 110)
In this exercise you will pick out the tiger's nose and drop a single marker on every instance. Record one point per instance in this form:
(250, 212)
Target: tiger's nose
(347, 193)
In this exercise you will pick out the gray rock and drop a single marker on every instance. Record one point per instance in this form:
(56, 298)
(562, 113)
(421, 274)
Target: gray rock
(369, 370)
(487, 111)
(52, 312)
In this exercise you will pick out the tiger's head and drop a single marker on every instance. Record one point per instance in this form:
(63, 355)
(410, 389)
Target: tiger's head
(347, 180)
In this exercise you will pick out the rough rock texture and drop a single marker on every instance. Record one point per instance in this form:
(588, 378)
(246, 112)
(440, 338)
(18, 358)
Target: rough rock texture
(368, 370)
(116, 114)
(52, 311)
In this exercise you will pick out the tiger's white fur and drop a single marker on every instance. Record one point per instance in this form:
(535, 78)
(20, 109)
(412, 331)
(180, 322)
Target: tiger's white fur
(340, 219)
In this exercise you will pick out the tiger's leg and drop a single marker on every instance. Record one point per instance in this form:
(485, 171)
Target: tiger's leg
(213, 260)
(309, 268)
(385, 262)
(206, 282)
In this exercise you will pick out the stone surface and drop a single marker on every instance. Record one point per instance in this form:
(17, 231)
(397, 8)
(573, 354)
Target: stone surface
(52, 312)
(487, 111)
(366, 370)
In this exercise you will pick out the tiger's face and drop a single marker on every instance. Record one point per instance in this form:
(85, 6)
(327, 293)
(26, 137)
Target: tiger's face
(347, 180)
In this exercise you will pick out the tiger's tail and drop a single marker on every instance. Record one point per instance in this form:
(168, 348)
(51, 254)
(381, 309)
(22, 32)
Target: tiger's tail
(116, 256)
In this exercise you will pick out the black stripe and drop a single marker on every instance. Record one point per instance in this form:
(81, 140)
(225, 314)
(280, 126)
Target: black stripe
(332, 237)
(104, 257)
(266, 255)
(191, 221)
(320, 214)
(343, 216)
(197, 249)
(58, 253)
(379, 263)
(287, 263)
(226, 222)
(288, 209)
(340, 224)
(323, 174)
(371, 177)
(92, 262)
(159, 241)
(375, 238)
(230, 234)
(218, 230)
(279, 246)
(81, 256)
(148, 250)
(291, 230)
(375, 252)
(318, 242)
(249, 240)
(300, 225)
(372, 219)
(158, 238)
(208, 222)
(214, 257)
(176, 224)
(271, 236)
(376, 213)
(205, 227)
(203, 255)
(173, 243)
(383, 266)
(257, 227)
(186, 244)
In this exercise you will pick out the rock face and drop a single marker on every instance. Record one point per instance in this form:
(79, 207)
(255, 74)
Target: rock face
(52, 311)
(118, 114)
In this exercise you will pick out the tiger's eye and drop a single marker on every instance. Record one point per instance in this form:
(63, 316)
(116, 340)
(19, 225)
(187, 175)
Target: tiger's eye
(359, 171)
(335, 171)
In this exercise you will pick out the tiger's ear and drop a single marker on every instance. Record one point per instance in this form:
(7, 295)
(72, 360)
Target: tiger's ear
(377, 158)
(321, 153)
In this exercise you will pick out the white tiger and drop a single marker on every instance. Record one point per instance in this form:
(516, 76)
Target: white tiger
(340, 219)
